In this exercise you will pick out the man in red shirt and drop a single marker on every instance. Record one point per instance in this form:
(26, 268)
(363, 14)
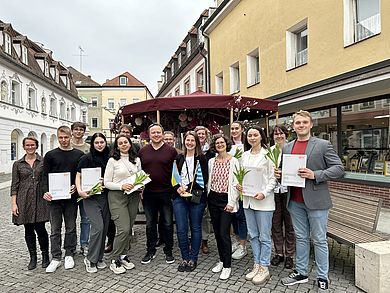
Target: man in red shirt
(157, 160)
(309, 206)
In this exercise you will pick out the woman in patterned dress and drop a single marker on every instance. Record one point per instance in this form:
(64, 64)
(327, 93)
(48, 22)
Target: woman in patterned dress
(28, 206)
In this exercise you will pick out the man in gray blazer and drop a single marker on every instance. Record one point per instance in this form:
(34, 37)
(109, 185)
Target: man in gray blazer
(309, 206)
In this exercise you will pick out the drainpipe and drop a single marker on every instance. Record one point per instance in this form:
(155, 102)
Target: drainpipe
(207, 63)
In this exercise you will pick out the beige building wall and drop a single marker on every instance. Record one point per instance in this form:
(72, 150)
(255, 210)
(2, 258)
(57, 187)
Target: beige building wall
(263, 25)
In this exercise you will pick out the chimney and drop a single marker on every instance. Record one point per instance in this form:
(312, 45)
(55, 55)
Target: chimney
(89, 76)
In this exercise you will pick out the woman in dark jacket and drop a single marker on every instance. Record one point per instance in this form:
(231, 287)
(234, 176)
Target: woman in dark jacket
(192, 168)
(96, 206)
(28, 206)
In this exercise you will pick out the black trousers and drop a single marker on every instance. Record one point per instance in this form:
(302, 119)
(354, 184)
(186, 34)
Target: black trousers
(221, 221)
(30, 237)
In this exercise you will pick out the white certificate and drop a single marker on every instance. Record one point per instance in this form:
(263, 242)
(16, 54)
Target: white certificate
(89, 178)
(252, 181)
(59, 185)
(291, 164)
(131, 180)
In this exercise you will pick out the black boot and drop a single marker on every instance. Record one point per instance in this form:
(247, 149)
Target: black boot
(32, 249)
(45, 259)
(33, 261)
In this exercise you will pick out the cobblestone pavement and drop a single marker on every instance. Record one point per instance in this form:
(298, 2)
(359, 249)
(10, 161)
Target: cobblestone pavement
(154, 277)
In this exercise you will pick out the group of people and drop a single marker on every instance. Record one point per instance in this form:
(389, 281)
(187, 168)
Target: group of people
(205, 188)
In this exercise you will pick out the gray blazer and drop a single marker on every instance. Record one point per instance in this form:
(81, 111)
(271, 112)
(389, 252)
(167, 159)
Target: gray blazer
(326, 164)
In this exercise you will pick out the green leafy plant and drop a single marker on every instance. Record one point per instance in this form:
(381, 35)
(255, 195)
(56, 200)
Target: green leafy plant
(97, 188)
(238, 153)
(273, 155)
(240, 173)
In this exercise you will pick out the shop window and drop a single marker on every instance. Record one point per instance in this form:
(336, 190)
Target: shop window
(219, 83)
(296, 45)
(234, 78)
(362, 19)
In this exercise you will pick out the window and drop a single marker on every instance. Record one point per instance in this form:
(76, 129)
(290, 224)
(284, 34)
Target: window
(111, 103)
(123, 101)
(177, 91)
(173, 68)
(31, 102)
(83, 116)
(219, 83)
(234, 78)
(187, 86)
(4, 91)
(24, 55)
(253, 67)
(67, 113)
(136, 100)
(123, 81)
(367, 105)
(94, 102)
(7, 44)
(361, 20)
(188, 47)
(179, 59)
(296, 45)
(47, 69)
(94, 123)
(62, 109)
(15, 93)
(199, 80)
(346, 108)
(73, 113)
(110, 123)
(53, 107)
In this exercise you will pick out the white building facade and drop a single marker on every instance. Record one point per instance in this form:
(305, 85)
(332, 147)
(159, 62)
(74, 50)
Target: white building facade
(37, 96)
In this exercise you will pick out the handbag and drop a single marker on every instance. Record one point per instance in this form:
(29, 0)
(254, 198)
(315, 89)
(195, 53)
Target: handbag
(196, 193)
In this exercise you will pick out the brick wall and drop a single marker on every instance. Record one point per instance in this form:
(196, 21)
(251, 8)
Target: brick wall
(370, 190)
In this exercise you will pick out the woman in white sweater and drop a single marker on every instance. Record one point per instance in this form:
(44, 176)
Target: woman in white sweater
(123, 207)
(222, 200)
(259, 203)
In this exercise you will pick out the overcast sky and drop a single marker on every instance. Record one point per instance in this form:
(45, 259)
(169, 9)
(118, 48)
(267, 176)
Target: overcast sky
(138, 36)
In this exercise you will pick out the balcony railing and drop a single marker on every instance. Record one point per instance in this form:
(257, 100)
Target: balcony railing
(301, 57)
(367, 27)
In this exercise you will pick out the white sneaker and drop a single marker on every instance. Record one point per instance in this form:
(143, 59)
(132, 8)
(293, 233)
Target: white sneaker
(240, 252)
(218, 267)
(262, 276)
(89, 267)
(235, 245)
(69, 262)
(249, 276)
(101, 265)
(225, 274)
(126, 263)
(54, 264)
(116, 267)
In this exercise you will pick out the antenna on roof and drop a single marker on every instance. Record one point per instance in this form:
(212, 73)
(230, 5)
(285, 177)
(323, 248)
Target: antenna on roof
(81, 55)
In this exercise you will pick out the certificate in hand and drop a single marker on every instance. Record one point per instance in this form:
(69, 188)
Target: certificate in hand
(59, 185)
(291, 164)
(89, 178)
(251, 184)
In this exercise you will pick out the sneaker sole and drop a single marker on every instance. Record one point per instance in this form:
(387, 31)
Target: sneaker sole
(169, 261)
(146, 262)
(51, 271)
(239, 257)
(296, 282)
(117, 272)
(262, 282)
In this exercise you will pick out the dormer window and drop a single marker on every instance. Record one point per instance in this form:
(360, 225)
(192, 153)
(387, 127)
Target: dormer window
(173, 68)
(46, 68)
(123, 80)
(24, 55)
(7, 44)
(188, 47)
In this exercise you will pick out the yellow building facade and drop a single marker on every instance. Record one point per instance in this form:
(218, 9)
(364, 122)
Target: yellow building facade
(330, 57)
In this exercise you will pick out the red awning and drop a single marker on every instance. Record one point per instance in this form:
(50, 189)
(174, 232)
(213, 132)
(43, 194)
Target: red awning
(198, 100)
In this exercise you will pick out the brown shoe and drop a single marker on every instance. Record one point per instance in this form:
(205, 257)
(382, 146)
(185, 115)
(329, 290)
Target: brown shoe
(289, 263)
(205, 247)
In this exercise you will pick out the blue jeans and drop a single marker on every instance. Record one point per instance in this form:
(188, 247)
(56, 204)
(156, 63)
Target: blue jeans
(239, 223)
(310, 223)
(188, 213)
(259, 229)
(85, 226)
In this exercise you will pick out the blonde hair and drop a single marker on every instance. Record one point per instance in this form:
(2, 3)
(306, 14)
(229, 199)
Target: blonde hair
(64, 129)
(302, 113)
